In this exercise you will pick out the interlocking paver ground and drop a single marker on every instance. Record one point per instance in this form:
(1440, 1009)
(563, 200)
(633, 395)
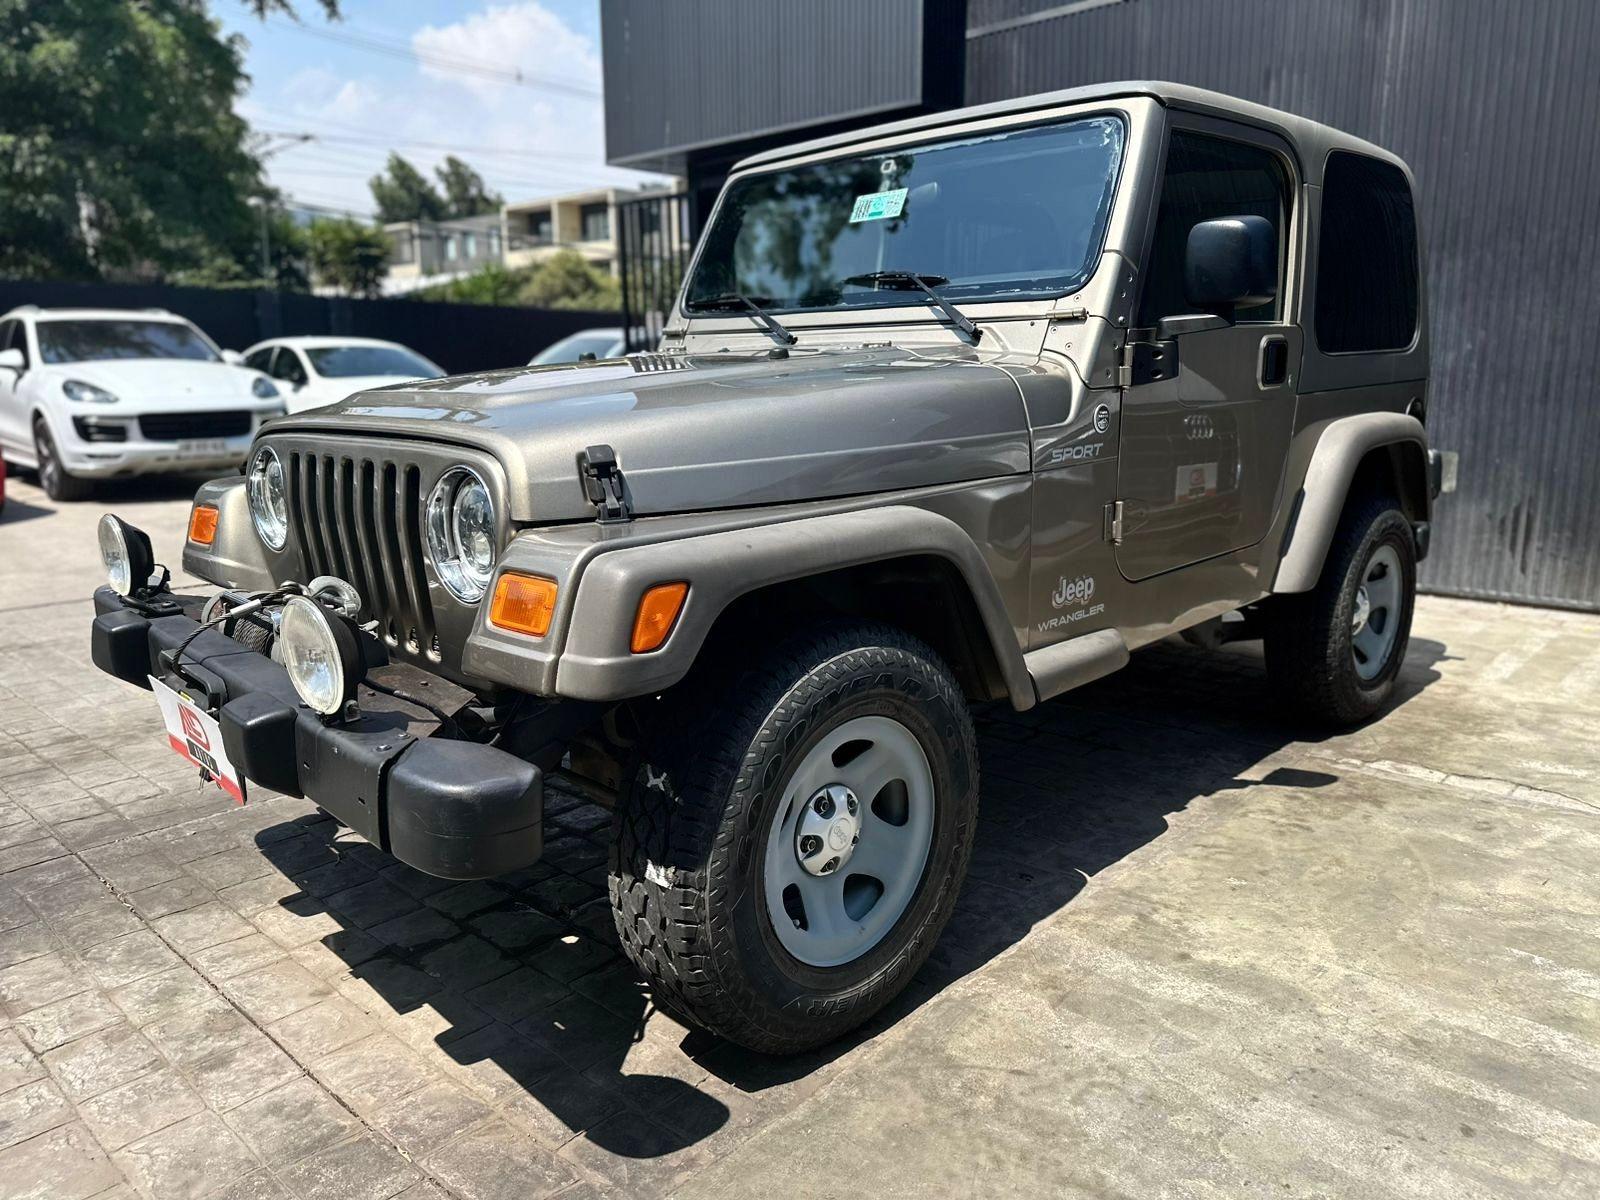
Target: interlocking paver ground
(1200, 952)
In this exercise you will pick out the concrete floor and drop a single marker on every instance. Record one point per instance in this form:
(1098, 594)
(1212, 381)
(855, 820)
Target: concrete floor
(1201, 953)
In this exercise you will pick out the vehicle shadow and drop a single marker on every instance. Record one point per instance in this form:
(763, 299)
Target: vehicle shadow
(523, 973)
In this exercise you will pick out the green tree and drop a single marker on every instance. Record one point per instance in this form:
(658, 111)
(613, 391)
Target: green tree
(567, 280)
(464, 192)
(403, 193)
(564, 280)
(120, 151)
(348, 255)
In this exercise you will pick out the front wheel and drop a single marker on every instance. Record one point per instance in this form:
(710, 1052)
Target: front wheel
(795, 838)
(1334, 652)
(57, 482)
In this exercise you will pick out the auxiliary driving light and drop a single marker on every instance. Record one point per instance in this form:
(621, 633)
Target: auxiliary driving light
(319, 650)
(127, 555)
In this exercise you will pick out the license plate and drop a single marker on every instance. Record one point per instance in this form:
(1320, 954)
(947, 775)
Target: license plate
(203, 448)
(195, 734)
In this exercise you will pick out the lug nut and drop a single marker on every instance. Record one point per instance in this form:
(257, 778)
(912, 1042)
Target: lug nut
(850, 802)
(824, 805)
(830, 866)
(855, 840)
(809, 845)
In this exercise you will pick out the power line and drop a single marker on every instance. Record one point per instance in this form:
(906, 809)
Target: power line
(448, 147)
(443, 62)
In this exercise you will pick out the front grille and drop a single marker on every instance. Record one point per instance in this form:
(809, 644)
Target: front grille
(361, 519)
(183, 426)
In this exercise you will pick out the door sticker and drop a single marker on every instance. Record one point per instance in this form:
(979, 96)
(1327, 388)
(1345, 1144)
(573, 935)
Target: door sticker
(1195, 482)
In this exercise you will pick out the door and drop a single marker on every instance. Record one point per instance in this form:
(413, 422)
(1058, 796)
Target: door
(1207, 412)
(14, 433)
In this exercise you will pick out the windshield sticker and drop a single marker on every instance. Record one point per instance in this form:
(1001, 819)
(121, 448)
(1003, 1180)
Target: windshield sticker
(879, 206)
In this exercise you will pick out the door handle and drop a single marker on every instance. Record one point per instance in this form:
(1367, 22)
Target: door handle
(1273, 368)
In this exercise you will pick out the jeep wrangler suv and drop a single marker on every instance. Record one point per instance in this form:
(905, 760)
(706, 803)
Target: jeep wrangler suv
(959, 409)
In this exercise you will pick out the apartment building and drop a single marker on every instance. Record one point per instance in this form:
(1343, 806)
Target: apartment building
(428, 252)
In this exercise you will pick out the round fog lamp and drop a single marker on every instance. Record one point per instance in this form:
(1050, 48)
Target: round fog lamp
(127, 555)
(319, 650)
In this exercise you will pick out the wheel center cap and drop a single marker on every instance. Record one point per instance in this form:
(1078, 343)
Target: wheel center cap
(1363, 611)
(828, 830)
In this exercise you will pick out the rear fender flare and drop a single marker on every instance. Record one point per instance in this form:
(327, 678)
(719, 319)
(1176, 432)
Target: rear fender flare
(1340, 449)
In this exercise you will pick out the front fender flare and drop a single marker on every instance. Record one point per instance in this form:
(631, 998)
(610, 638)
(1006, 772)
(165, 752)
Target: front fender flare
(596, 663)
(1340, 448)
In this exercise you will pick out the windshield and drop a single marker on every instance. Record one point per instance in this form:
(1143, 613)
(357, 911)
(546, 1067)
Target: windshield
(567, 350)
(1004, 216)
(346, 362)
(89, 341)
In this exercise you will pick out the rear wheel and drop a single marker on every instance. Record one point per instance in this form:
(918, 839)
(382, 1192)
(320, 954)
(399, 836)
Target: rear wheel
(796, 836)
(54, 478)
(1334, 652)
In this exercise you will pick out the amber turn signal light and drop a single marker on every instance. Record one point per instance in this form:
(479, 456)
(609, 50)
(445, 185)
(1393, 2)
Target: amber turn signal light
(203, 524)
(658, 613)
(523, 604)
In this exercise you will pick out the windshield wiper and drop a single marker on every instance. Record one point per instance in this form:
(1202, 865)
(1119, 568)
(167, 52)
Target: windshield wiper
(740, 300)
(911, 281)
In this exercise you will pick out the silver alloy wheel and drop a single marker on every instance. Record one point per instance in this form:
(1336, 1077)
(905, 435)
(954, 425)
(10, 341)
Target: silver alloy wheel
(44, 451)
(1375, 621)
(849, 841)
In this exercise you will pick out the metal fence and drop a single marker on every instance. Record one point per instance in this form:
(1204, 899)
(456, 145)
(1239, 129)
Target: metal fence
(655, 236)
(459, 337)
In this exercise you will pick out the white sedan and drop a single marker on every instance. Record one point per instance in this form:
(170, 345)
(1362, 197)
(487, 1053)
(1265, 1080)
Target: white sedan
(313, 371)
(96, 393)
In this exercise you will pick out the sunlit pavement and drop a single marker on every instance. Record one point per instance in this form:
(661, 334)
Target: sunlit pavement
(1200, 953)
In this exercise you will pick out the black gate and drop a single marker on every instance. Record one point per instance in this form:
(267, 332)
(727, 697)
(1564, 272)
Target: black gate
(655, 235)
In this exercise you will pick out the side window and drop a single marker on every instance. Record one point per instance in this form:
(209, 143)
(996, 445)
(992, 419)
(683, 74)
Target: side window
(287, 366)
(261, 360)
(1367, 262)
(1208, 177)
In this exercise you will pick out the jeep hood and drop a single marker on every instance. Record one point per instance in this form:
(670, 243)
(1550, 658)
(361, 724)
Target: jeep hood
(696, 432)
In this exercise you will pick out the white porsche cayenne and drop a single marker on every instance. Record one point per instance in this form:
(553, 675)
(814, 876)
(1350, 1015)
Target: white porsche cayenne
(98, 393)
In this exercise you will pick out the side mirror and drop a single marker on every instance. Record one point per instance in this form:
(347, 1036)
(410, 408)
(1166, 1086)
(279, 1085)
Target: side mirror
(233, 357)
(12, 359)
(1231, 262)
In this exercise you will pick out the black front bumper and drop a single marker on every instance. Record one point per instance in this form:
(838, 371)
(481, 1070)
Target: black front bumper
(457, 809)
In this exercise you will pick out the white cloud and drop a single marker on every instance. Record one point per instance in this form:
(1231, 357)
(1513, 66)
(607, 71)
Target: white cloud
(516, 37)
(432, 101)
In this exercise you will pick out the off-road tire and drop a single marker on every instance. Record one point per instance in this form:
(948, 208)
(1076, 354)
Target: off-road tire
(53, 477)
(1308, 636)
(689, 833)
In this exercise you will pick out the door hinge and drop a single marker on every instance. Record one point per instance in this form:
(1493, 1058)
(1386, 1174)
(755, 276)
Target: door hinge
(1146, 361)
(1113, 523)
(603, 484)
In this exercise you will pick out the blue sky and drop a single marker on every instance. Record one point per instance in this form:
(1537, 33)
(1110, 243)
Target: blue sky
(429, 78)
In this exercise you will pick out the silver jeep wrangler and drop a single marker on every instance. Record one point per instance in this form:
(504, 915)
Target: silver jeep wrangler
(964, 408)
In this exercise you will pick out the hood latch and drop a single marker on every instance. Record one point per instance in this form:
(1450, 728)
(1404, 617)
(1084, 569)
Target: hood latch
(604, 485)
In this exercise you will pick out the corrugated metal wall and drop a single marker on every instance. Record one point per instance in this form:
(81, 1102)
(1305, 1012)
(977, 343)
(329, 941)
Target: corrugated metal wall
(1496, 106)
(690, 74)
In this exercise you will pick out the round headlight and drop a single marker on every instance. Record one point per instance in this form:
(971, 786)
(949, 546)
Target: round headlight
(126, 553)
(319, 651)
(461, 533)
(269, 506)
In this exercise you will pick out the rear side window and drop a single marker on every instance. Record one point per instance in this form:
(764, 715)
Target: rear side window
(1367, 264)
